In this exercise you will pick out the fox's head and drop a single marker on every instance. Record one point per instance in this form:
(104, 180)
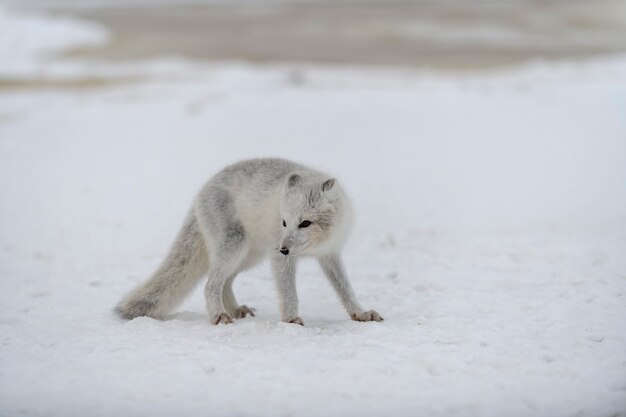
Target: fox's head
(312, 215)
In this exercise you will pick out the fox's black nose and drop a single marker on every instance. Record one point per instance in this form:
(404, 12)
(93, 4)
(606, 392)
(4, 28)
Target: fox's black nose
(284, 251)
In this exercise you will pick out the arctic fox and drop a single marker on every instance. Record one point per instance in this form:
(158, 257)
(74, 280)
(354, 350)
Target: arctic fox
(251, 210)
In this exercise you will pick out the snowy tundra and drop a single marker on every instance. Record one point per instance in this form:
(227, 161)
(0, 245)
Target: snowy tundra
(489, 229)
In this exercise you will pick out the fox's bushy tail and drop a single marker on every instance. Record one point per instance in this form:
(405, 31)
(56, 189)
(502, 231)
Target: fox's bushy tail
(181, 270)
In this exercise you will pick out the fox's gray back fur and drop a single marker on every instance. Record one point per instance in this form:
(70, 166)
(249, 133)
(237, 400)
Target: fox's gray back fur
(249, 211)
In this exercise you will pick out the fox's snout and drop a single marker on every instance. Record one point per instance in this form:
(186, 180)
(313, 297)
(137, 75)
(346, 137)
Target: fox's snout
(287, 244)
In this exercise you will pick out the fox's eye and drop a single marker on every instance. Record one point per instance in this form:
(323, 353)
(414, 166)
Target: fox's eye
(284, 223)
(305, 223)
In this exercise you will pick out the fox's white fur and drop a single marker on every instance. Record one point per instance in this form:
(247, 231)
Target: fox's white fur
(251, 210)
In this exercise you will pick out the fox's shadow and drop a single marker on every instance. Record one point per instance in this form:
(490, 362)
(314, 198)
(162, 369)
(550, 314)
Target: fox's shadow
(186, 316)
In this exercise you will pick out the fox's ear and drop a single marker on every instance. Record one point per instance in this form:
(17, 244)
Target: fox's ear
(328, 184)
(293, 179)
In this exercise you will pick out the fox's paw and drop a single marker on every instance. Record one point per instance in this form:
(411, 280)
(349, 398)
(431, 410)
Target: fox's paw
(244, 311)
(296, 320)
(223, 318)
(370, 315)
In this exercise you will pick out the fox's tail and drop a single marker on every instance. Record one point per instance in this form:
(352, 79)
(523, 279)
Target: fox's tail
(186, 262)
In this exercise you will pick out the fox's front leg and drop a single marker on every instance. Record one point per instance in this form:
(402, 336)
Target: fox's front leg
(334, 270)
(284, 268)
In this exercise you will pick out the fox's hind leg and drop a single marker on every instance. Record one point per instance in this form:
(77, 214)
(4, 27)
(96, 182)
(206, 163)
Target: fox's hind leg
(230, 302)
(227, 246)
(225, 262)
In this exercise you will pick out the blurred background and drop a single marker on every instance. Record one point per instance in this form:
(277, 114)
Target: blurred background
(483, 144)
(448, 34)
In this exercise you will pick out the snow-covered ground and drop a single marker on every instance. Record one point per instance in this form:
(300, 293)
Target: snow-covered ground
(490, 234)
(27, 40)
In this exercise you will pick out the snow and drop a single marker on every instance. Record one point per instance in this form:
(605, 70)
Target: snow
(27, 39)
(490, 234)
